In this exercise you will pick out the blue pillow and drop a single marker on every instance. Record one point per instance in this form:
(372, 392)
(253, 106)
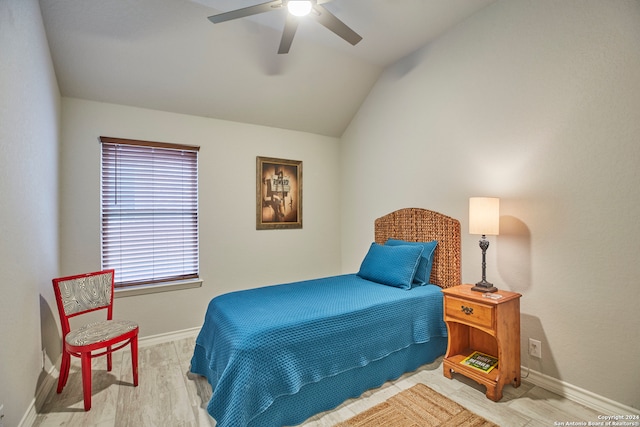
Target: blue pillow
(423, 273)
(391, 265)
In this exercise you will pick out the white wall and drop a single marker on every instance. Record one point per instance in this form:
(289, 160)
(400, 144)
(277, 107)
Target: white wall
(233, 254)
(29, 116)
(538, 103)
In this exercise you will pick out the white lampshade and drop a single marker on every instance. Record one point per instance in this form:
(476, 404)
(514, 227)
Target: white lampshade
(484, 215)
(299, 7)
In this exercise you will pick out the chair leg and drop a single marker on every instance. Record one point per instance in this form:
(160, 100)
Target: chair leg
(134, 359)
(86, 379)
(109, 365)
(64, 370)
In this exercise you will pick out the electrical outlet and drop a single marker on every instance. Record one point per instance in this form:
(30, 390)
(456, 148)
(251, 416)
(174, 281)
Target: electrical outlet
(535, 348)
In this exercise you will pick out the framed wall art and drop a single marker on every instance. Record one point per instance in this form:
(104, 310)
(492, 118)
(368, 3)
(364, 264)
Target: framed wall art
(278, 193)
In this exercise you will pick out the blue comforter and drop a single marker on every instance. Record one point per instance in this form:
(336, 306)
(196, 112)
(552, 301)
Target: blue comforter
(258, 344)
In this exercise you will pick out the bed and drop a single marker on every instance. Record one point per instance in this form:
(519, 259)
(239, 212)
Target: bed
(277, 355)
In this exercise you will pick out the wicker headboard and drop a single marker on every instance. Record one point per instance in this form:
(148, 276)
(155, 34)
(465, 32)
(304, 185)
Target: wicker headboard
(422, 225)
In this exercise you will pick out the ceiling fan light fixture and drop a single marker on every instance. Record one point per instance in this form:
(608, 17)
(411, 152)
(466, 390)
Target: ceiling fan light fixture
(299, 7)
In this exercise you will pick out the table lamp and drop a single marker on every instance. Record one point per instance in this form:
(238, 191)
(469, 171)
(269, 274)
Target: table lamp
(484, 219)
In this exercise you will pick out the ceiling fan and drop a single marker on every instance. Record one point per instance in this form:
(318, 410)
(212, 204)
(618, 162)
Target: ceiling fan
(296, 9)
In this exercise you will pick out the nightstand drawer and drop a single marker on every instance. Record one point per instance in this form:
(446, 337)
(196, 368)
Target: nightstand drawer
(469, 312)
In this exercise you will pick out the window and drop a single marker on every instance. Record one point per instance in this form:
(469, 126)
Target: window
(149, 199)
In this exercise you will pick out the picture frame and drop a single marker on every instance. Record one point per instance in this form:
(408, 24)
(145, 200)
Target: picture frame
(278, 193)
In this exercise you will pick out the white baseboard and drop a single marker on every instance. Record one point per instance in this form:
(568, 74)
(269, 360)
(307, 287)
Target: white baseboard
(29, 418)
(50, 382)
(169, 336)
(584, 397)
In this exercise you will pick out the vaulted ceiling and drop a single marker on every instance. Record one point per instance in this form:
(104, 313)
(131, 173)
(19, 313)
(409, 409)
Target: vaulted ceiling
(166, 55)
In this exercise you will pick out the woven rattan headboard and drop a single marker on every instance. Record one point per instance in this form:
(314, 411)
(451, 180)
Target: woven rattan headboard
(422, 225)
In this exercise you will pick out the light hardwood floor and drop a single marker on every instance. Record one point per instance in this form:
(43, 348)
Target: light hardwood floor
(168, 395)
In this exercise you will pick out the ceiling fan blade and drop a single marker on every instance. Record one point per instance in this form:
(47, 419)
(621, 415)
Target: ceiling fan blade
(290, 27)
(330, 21)
(246, 11)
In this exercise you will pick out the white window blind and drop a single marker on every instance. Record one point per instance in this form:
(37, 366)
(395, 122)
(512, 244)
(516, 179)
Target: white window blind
(149, 211)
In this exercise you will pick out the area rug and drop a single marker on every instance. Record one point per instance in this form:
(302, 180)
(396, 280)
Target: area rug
(418, 406)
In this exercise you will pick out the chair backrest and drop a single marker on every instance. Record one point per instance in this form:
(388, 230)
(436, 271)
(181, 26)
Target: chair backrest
(83, 293)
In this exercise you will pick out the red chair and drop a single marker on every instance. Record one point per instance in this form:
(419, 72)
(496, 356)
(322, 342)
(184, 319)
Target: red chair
(80, 294)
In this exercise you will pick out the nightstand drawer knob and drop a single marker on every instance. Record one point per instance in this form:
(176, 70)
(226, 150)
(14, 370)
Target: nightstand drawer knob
(467, 310)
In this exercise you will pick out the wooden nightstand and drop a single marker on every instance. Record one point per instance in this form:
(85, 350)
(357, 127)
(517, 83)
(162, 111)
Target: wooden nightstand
(491, 326)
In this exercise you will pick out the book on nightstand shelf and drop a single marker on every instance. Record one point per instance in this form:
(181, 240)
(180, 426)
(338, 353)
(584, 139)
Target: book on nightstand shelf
(481, 361)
